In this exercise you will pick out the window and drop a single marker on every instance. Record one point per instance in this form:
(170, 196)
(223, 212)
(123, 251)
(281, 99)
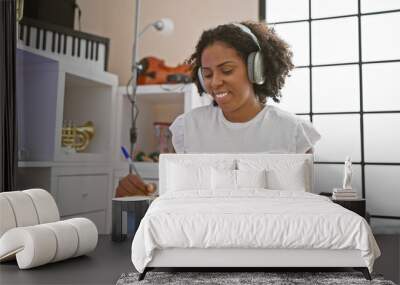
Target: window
(346, 81)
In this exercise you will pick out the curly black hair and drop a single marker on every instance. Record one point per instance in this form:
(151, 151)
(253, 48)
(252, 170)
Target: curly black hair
(276, 54)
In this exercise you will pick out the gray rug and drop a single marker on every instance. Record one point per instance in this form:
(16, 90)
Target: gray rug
(243, 278)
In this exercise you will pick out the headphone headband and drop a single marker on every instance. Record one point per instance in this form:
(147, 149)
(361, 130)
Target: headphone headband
(249, 32)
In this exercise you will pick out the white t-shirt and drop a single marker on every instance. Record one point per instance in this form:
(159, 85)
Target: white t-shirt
(272, 130)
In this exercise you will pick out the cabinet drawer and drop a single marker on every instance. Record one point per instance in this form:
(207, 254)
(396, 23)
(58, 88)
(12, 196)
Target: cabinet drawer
(81, 193)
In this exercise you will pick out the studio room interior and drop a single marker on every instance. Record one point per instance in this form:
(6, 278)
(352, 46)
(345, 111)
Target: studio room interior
(199, 142)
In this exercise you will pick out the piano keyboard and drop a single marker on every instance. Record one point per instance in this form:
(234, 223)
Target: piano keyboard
(64, 43)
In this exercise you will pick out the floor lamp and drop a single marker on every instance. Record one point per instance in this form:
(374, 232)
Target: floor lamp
(164, 25)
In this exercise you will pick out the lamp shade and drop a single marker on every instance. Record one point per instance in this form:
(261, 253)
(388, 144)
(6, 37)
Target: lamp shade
(165, 26)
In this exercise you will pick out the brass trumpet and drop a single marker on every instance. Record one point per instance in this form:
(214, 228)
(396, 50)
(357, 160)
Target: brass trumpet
(77, 137)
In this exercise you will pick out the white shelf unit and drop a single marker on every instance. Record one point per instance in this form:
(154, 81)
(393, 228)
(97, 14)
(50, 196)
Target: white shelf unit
(50, 92)
(156, 103)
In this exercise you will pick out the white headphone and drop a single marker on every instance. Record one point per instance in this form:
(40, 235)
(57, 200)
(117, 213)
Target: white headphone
(255, 62)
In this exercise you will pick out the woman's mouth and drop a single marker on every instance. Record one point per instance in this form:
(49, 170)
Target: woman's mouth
(222, 97)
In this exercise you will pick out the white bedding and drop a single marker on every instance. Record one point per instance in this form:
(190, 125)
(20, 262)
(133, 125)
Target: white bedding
(251, 218)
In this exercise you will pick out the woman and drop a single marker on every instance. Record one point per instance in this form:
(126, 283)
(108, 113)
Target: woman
(240, 120)
(241, 66)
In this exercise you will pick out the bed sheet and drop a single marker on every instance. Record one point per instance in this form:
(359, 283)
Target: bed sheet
(250, 218)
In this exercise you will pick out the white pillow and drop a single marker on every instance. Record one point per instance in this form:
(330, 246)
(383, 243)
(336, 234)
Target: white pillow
(184, 174)
(293, 179)
(188, 177)
(223, 179)
(281, 174)
(251, 178)
(235, 179)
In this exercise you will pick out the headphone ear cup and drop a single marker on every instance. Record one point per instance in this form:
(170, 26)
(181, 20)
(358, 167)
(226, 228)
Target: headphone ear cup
(201, 80)
(250, 66)
(255, 68)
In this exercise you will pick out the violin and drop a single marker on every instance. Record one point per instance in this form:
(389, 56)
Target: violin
(154, 71)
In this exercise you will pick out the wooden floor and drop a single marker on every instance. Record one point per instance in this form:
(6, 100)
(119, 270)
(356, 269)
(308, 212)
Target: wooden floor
(110, 260)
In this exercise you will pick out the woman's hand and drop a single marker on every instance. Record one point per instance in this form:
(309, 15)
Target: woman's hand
(133, 185)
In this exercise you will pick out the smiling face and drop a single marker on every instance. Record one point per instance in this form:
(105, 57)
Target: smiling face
(225, 78)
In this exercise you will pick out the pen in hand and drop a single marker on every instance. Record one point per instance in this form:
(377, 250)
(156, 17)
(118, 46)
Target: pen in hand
(150, 187)
(125, 153)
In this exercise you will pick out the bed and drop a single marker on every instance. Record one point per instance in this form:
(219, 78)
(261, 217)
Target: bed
(246, 211)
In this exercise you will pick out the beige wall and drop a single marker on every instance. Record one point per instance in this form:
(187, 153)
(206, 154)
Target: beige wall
(114, 19)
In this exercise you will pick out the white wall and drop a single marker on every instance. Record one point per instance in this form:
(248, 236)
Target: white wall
(115, 20)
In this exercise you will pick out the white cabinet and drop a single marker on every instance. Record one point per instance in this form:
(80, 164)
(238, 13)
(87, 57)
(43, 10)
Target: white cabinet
(80, 190)
(84, 192)
(49, 93)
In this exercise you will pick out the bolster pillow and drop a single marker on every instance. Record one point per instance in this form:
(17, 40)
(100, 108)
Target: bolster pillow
(26, 208)
(40, 244)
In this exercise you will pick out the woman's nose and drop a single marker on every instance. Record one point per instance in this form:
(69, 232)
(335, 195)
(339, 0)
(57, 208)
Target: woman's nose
(216, 81)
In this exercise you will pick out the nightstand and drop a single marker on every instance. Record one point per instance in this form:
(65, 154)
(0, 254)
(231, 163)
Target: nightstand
(137, 205)
(357, 206)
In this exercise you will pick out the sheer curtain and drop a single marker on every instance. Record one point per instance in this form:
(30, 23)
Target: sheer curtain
(8, 122)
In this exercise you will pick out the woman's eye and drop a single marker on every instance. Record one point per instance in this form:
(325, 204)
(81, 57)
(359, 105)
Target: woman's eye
(227, 71)
(209, 75)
